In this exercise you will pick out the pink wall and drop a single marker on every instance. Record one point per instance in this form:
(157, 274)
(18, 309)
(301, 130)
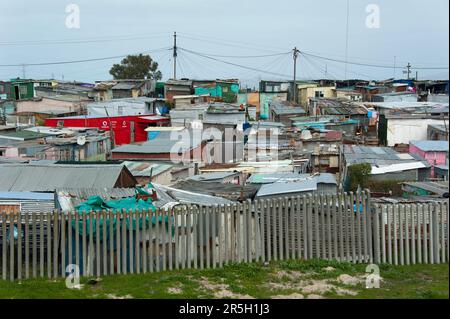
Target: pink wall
(434, 158)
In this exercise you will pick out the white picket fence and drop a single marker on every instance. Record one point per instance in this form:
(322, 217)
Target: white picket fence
(343, 227)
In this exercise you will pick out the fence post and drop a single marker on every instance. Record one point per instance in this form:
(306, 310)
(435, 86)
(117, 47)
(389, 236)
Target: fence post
(376, 234)
(11, 246)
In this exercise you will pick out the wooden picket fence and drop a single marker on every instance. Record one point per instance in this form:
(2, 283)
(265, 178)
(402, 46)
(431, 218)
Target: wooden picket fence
(343, 227)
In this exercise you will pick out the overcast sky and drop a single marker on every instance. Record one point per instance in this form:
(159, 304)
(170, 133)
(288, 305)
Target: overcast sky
(414, 31)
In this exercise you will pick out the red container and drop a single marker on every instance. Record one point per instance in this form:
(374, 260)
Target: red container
(126, 129)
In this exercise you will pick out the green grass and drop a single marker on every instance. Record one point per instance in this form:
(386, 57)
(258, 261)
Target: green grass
(406, 282)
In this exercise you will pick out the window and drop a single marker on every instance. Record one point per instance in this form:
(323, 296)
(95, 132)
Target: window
(319, 94)
(225, 89)
(23, 90)
(120, 110)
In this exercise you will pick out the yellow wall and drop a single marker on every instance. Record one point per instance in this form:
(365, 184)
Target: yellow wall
(304, 94)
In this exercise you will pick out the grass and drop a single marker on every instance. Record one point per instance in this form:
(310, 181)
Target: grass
(286, 278)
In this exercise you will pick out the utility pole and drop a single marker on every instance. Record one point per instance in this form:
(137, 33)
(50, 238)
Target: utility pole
(175, 54)
(296, 53)
(409, 70)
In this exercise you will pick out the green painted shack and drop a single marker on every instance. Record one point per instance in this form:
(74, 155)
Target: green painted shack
(226, 90)
(22, 89)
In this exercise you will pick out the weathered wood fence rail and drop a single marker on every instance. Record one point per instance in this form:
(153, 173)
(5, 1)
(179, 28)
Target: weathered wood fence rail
(344, 227)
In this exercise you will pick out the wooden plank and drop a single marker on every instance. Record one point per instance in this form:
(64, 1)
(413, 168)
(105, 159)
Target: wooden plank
(292, 211)
(91, 251)
(268, 219)
(407, 235)
(19, 246)
(299, 216)
(49, 245)
(55, 218)
(365, 217)
(330, 205)
(419, 233)
(220, 241)
(395, 217)
(214, 236)
(442, 225)
(353, 241)
(98, 235)
(170, 240)
(334, 216)
(164, 214)
(105, 242)
(124, 242)
(41, 243)
(316, 225)
(431, 232)
(27, 245)
(250, 234)
(233, 239)
(77, 239)
(343, 207)
(63, 244)
(435, 234)
(151, 228)
(227, 234)
(285, 218)
(208, 239)
(69, 241)
(137, 245)
(118, 222)
(158, 241)
(34, 222)
(376, 232)
(425, 234)
(4, 241)
(401, 233)
(370, 227)
(202, 241)
(323, 211)
(383, 234)
(188, 238)
(305, 229)
(412, 210)
(310, 226)
(131, 241)
(83, 243)
(389, 232)
(280, 230)
(11, 246)
(275, 206)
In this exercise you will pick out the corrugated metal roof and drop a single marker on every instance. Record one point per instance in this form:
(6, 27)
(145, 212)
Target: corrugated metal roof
(431, 146)
(187, 197)
(26, 196)
(211, 176)
(287, 188)
(324, 178)
(50, 177)
(145, 168)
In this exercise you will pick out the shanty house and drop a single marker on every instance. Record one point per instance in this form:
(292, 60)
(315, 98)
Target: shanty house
(48, 178)
(435, 152)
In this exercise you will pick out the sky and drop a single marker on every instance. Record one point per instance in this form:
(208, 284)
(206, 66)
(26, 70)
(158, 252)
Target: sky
(247, 39)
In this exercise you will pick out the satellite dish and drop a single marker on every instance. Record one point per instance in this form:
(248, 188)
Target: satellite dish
(81, 140)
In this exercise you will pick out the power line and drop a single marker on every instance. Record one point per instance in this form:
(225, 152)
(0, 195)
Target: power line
(371, 65)
(80, 61)
(234, 64)
(83, 40)
(230, 44)
(243, 56)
